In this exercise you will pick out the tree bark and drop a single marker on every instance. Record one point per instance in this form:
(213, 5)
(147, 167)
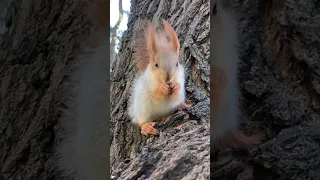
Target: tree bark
(279, 80)
(36, 56)
(177, 153)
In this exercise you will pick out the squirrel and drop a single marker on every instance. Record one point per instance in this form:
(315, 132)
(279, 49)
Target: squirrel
(224, 98)
(159, 87)
(82, 154)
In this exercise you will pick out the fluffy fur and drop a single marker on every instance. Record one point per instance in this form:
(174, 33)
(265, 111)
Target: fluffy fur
(143, 108)
(157, 49)
(224, 55)
(84, 152)
(225, 116)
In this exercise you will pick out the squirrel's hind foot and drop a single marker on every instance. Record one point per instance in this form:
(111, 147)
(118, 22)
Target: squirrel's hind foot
(148, 129)
(184, 106)
(239, 141)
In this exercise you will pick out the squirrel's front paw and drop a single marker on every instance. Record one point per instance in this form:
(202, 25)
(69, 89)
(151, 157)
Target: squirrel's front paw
(148, 129)
(164, 88)
(175, 88)
(161, 92)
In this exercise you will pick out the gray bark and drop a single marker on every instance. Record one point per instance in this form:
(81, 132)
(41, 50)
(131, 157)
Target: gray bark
(279, 48)
(177, 153)
(36, 57)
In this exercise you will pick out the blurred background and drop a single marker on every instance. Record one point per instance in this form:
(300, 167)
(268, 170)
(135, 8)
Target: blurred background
(119, 13)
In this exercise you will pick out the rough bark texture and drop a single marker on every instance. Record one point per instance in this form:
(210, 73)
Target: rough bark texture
(178, 153)
(36, 55)
(279, 79)
(279, 47)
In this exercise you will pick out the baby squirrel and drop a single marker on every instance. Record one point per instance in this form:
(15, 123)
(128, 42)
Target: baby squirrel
(224, 85)
(159, 87)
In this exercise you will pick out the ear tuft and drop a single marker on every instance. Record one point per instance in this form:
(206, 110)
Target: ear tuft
(173, 36)
(151, 41)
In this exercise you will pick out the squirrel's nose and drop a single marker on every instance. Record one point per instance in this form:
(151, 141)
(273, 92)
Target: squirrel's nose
(168, 79)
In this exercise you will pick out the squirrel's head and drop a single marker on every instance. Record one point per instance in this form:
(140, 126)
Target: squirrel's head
(164, 54)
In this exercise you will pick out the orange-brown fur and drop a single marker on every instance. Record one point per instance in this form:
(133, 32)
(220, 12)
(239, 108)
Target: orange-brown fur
(234, 139)
(98, 12)
(225, 111)
(145, 46)
(161, 92)
(157, 43)
(159, 87)
(141, 53)
(218, 83)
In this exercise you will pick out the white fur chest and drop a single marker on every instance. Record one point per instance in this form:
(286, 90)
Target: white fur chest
(144, 107)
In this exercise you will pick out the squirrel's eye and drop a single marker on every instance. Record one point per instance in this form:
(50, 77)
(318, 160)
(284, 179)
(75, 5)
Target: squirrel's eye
(156, 65)
(177, 64)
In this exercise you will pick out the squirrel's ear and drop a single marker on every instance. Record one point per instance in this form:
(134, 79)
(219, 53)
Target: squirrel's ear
(173, 36)
(151, 42)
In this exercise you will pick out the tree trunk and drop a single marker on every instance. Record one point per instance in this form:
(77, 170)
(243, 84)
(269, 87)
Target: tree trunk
(36, 56)
(177, 153)
(279, 79)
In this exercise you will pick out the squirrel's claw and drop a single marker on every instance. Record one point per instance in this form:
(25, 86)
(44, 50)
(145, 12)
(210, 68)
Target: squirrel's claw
(161, 92)
(148, 129)
(164, 88)
(175, 88)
